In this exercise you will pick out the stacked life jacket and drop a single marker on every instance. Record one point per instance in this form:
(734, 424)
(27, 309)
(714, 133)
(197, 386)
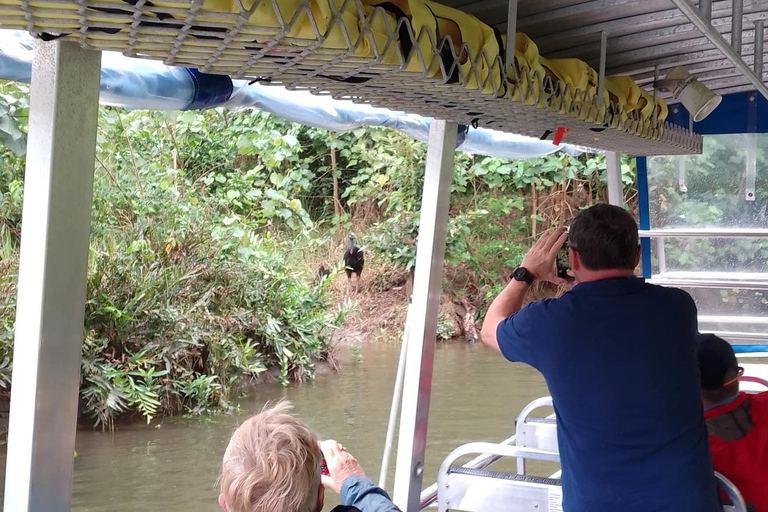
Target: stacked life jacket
(419, 36)
(739, 447)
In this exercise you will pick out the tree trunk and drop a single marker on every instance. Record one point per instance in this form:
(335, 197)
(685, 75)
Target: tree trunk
(336, 201)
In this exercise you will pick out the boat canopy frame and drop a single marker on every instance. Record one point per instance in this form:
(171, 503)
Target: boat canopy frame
(641, 38)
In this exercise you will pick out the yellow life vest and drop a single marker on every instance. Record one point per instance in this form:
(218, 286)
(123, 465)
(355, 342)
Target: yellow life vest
(645, 105)
(529, 71)
(433, 26)
(577, 85)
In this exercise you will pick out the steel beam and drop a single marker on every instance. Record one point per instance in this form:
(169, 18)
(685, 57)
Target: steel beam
(615, 186)
(704, 26)
(705, 6)
(422, 314)
(58, 187)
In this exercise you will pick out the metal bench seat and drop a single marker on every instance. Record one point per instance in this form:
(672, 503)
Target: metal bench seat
(475, 488)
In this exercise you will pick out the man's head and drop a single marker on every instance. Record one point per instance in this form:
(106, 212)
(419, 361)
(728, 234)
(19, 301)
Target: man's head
(272, 463)
(603, 239)
(718, 369)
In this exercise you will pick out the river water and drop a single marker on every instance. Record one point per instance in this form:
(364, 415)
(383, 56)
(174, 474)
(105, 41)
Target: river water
(173, 466)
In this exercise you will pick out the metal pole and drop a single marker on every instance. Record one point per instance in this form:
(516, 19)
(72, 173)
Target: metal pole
(394, 408)
(615, 186)
(58, 187)
(693, 14)
(737, 21)
(511, 34)
(759, 47)
(422, 314)
(655, 96)
(601, 73)
(705, 6)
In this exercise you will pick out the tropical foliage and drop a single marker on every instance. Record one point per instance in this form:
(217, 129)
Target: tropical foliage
(209, 227)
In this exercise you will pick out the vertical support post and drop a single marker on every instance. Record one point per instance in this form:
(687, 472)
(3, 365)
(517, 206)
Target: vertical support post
(705, 6)
(655, 96)
(737, 21)
(662, 254)
(511, 34)
(615, 186)
(759, 47)
(394, 408)
(58, 187)
(751, 174)
(682, 177)
(644, 214)
(422, 314)
(601, 72)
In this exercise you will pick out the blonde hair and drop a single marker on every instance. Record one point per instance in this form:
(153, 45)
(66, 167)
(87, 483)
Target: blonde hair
(272, 463)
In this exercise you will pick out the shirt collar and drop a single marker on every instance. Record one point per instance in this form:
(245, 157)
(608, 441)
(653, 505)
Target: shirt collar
(722, 402)
(611, 286)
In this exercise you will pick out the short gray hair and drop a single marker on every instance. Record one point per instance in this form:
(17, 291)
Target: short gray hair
(272, 463)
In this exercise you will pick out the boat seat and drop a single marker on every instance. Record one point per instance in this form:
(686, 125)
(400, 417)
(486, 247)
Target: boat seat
(535, 432)
(483, 490)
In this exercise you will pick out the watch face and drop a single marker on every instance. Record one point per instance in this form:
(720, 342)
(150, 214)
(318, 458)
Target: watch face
(520, 274)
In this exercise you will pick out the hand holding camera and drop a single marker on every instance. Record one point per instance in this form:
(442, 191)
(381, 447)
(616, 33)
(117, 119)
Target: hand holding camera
(547, 259)
(339, 465)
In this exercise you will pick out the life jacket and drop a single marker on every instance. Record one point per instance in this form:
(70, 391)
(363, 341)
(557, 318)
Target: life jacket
(745, 461)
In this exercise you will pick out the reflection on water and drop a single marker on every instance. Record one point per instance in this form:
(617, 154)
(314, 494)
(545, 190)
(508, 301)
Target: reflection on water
(173, 468)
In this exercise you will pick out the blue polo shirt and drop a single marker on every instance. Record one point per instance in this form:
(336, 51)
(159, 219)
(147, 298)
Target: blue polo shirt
(619, 357)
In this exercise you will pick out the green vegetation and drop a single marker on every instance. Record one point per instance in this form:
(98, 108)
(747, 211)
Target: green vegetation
(209, 229)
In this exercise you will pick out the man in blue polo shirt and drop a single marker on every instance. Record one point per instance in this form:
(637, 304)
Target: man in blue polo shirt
(619, 357)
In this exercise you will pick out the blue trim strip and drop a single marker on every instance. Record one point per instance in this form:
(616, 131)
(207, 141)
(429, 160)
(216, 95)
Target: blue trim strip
(210, 90)
(742, 112)
(643, 207)
(749, 349)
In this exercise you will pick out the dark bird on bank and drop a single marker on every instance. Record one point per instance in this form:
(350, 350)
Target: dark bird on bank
(354, 260)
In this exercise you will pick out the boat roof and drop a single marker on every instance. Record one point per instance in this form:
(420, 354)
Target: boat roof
(641, 35)
(347, 49)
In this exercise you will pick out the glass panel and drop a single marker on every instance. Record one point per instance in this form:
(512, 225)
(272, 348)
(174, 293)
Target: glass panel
(710, 190)
(731, 310)
(748, 255)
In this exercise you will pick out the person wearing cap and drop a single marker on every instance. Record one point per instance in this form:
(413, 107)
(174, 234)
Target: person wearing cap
(619, 358)
(736, 421)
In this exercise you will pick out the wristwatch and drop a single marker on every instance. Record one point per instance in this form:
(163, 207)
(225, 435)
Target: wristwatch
(522, 274)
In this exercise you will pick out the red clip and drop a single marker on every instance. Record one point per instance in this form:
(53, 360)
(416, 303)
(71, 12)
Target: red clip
(559, 134)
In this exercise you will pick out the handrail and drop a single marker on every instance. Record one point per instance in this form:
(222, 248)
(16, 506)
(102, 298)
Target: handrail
(739, 505)
(429, 495)
(704, 233)
(545, 401)
(500, 450)
(754, 380)
(725, 319)
(710, 283)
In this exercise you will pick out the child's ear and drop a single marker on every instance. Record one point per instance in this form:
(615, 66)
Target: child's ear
(222, 503)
